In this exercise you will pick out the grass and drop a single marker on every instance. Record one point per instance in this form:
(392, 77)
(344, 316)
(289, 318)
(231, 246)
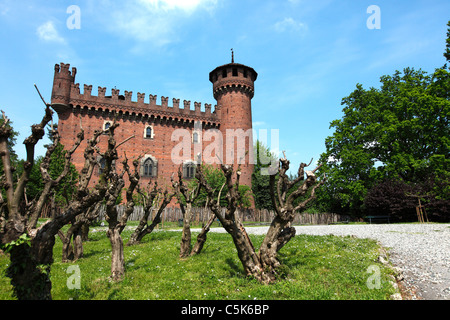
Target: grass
(314, 267)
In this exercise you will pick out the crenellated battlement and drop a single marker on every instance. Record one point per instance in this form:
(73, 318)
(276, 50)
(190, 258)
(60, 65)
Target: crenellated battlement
(124, 103)
(63, 70)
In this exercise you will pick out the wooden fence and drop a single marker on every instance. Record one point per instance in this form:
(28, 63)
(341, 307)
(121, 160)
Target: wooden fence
(254, 215)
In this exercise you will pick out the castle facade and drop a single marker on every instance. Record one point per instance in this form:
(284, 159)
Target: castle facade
(166, 136)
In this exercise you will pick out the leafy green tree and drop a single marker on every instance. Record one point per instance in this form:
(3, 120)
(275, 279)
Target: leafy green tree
(261, 182)
(11, 143)
(67, 186)
(447, 44)
(64, 190)
(400, 131)
(216, 179)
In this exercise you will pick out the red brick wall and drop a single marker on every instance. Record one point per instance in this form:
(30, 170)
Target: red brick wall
(233, 95)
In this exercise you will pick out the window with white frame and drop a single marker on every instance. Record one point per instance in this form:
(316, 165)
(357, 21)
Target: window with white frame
(106, 125)
(149, 132)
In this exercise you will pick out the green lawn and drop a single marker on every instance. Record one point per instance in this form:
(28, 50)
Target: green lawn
(315, 267)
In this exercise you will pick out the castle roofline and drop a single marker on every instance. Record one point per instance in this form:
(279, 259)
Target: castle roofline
(231, 65)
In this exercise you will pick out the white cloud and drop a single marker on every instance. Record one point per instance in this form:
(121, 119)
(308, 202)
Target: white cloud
(258, 123)
(184, 5)
(48, 32)
(156, 21)
(289, 24)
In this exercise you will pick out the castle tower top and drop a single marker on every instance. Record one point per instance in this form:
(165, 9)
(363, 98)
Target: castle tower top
(233, 75)
(63, 80)
(233, 88)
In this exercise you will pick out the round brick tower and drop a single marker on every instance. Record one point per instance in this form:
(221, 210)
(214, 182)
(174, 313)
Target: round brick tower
(62, 82)
(233, 88)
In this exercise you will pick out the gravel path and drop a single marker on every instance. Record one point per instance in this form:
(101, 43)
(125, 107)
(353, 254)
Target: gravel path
(420, 251)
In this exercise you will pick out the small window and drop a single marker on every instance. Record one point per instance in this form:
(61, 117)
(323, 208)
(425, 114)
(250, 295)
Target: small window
(245, 73)
(224, 73)
(195, 137)
(106, 125)
(189, 170)
(148, 132)
(235, 72)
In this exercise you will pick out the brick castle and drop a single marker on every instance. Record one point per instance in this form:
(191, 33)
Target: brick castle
(167, 136)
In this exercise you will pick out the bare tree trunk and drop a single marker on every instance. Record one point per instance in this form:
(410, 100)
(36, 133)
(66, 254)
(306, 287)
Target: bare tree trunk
(277, 236)
(263, 265)
(230, 221)
(117, 256)
(67, 248)
(77, 244)
(85, 231)
(142, 231)
(189, 196)
(149, 199)
(75, 233)
(116, 225)
(201, 238)
(29, 277)
(185, 245)
(143, 228)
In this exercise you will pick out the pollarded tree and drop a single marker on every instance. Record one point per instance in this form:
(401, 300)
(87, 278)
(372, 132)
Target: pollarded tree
(72, 240)
(115, 183)
(263, 264)
(30, 246)
(186, 197)
(154, 200)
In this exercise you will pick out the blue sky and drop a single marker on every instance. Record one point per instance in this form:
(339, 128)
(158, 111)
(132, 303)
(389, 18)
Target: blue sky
(308, 54)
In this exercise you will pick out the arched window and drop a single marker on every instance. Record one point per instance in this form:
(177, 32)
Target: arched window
(149, 166)
(189, 170)
(195, 137)
(148, 132)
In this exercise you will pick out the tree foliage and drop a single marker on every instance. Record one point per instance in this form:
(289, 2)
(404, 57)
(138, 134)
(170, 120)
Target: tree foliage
(399, 131)
(261, 182)
(63, 192)
(399, 199)
(216, 179)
